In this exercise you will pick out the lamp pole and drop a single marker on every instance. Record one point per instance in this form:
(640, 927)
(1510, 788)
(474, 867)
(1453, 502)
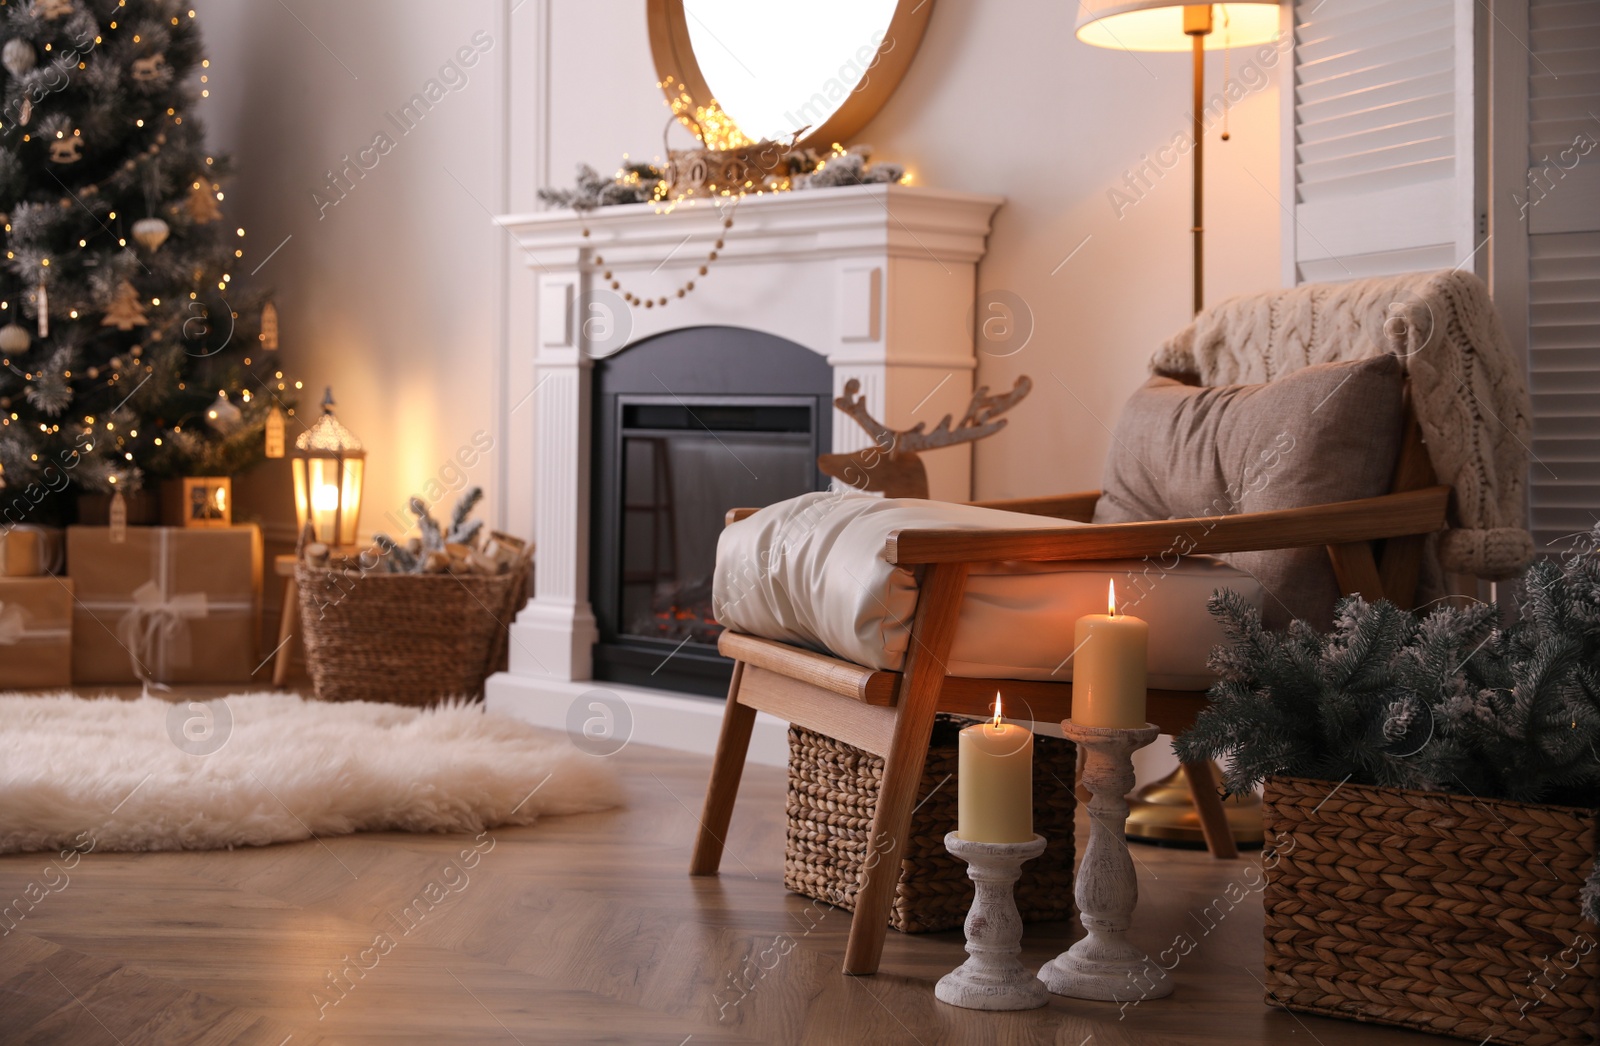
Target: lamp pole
(1197, 24)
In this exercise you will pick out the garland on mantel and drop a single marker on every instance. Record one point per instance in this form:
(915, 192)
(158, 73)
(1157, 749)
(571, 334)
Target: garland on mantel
(649, 183)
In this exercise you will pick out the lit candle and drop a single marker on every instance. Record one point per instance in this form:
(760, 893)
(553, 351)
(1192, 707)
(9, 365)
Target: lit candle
(1108, 668)
(994, 782)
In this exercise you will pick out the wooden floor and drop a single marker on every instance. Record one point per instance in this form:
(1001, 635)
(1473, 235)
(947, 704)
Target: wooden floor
(575, 930)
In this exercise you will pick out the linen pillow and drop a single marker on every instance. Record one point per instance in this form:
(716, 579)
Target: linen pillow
(1327, 432)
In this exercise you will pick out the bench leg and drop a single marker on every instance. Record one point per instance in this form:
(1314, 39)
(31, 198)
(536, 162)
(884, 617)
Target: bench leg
(1208, 805)
(937, 611)
(288, 622)
(726, 769)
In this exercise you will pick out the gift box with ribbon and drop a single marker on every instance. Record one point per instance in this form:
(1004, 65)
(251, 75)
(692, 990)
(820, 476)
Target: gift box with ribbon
(165, 605)
(35, 632)
(30, 550)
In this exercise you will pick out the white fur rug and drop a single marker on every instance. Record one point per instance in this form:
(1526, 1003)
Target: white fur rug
(265, 768)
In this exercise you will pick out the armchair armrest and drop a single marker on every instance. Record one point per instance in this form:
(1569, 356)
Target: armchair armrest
(1078, 506)
(1368, 519)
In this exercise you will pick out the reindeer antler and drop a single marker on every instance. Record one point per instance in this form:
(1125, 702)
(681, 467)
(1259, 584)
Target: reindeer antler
(979, 420)
(856, 407)
(891, 467)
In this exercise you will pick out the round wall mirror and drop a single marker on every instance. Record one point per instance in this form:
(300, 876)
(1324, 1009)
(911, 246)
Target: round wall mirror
(776, 70)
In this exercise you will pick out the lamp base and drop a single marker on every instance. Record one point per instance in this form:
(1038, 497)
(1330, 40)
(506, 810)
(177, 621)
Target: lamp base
(1163, 813)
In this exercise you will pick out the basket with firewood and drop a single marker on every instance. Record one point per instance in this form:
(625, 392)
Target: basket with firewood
(414, 622)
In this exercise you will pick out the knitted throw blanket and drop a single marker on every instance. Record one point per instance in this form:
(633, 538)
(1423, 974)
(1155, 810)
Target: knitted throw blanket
(1467, 386)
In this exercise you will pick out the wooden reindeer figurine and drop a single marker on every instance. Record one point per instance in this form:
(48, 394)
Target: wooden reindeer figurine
(891, 466)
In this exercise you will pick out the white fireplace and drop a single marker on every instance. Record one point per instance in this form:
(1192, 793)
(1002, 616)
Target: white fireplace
(878, 279)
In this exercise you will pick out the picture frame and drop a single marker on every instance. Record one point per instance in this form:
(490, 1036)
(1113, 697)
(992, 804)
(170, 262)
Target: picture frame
(206, 501)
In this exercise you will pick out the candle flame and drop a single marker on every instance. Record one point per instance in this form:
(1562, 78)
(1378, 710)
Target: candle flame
(996, 723)
(1111, 599)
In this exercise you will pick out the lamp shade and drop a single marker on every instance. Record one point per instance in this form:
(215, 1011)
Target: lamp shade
(1157, 25)
(328, 464)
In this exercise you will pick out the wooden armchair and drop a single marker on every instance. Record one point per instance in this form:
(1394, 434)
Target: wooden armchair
(1375, 545)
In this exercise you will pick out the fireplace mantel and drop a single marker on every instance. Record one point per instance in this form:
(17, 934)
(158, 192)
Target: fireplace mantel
(879, 279)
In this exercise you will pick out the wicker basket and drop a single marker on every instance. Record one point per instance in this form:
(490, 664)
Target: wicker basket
(1437, 912)
(833, 791)
(409, 639)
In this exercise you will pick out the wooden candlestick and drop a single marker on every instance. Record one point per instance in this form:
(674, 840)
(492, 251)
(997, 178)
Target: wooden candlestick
(993, 977)
(1104, 965)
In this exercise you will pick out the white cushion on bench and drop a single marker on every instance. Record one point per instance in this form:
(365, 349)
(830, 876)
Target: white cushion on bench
(811, 571)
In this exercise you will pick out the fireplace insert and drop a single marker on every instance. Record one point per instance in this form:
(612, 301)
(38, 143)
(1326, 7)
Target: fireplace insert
(689, 424)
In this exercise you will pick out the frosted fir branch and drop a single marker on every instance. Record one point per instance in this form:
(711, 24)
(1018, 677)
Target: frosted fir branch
(463, 508)
(1445, 701)
(432, 536)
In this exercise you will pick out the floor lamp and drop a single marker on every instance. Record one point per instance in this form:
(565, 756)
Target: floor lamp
(1163, 811)
(1159, 25)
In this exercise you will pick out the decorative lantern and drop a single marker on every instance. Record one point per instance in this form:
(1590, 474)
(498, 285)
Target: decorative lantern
(328, 463)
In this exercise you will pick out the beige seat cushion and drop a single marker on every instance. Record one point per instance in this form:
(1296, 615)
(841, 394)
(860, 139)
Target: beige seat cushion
(811, 571)
(1324, 433)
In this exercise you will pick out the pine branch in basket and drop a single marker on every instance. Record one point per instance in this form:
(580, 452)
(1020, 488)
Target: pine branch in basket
(1449, 701)
(460, 550)
(462, 530)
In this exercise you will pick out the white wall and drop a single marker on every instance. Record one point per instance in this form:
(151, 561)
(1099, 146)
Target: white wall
(393, 295)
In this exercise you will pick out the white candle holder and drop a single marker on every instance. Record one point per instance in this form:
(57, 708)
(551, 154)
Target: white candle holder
(993, 977)
(1104, 965)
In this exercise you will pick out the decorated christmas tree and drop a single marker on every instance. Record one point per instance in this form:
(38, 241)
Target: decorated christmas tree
(128, 351)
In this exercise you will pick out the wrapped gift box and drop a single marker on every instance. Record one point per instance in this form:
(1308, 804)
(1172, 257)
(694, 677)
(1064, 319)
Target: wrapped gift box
(29, 550)
(35, 632)
(167, 604)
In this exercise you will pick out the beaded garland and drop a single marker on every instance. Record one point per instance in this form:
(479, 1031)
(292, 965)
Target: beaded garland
(662, 300)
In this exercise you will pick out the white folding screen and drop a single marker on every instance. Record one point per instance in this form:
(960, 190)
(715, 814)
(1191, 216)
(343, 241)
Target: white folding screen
(1558, 211)
(1380, 119)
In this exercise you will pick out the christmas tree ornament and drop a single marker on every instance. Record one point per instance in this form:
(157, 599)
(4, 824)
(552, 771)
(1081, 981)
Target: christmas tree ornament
(222, 415)
(118, 518)
(66, 150)
(269, 328)
(202, 204)
(50, 10)
(42, 299)
(17, 56)
(151, 232)
(26, 112)
(274, 432)
(14, 339)
(149, 68)
(125, 311)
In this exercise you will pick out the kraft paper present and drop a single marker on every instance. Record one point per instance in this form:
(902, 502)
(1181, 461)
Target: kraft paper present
(167, 605)
(32, 550)
(35, 633)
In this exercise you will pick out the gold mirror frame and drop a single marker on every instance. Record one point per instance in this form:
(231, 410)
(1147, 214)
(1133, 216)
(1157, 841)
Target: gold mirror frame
(675, 60)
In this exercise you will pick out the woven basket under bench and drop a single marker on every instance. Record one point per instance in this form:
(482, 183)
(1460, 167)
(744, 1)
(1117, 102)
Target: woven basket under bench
(1438, 912)
(833, 791)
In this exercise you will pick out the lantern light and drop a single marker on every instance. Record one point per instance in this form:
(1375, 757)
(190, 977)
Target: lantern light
(328, 463)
